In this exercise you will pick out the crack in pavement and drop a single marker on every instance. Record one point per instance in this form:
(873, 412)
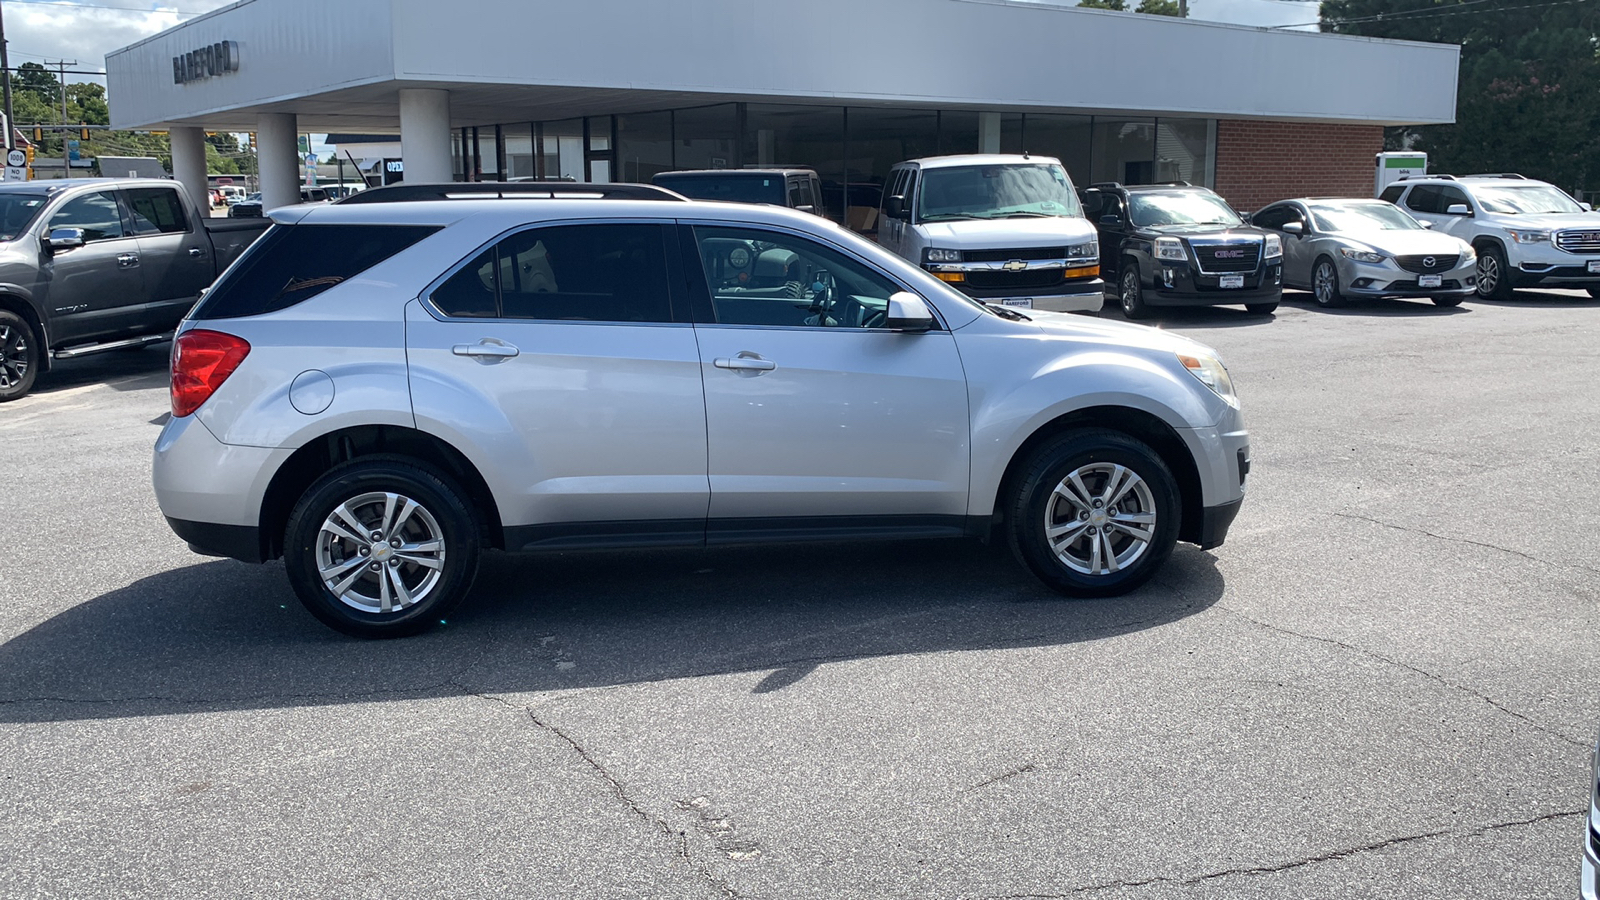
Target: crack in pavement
(621, 794)
(1370, 654)
(1330, 856)
(1457, 540)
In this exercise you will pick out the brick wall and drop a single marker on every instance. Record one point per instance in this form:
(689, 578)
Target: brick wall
(1259, 162)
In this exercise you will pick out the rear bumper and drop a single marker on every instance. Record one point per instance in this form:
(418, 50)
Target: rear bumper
(241, 542)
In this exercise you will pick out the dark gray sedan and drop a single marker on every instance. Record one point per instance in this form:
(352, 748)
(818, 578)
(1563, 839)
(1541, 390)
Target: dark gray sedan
(1339, 249)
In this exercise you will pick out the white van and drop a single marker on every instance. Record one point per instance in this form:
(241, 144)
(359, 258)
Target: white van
(1006, 230)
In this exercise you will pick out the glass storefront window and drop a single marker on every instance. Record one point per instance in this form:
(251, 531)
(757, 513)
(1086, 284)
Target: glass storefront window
(1124, 150)
(958, 132)
(457, 163)
(1011, 134)
(562, 150)
(488, 155)
(707, 137)
(810, 137)
(879, 138)
(644, 146)
(1064, 137)
(518, 140)
(1184, 150)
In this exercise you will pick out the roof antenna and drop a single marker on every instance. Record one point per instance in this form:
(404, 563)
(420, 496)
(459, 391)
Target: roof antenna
(1024, 154)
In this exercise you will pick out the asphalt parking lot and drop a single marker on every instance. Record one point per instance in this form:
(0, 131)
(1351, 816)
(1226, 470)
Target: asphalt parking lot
(1382, 686)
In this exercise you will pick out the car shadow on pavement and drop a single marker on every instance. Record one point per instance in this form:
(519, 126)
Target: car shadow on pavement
(122, 370)
(1190, 316)
(1368, 306)
(1535, 299)
(223, 635)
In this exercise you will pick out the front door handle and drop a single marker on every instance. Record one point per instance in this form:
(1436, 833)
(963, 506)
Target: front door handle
(487, 350)
(196, 252)
(127, 260)
(745, 361)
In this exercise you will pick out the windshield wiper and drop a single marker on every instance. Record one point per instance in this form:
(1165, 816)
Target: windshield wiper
(1006, 312)
(1025, 215)
(940, 217)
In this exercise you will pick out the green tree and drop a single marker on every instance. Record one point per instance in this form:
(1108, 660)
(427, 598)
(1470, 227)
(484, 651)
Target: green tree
(1118, 5)
(1162, 8)
(1528, 83)
(37, 81)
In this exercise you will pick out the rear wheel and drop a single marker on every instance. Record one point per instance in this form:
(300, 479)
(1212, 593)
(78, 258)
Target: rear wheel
(1131, 294)
(1494, 277)
(381, 547)
(1095, 513)
(19, 356)
(1325, 284)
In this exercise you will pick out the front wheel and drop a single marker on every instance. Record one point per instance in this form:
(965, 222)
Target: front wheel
(381, 547)
(1094, 514)
(1132, 293)
(1325, 284)
(19, 356)
(1494, 277)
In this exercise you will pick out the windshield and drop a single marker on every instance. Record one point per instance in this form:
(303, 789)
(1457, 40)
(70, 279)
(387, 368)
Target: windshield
(1525, 200)
(17, 212)
(1361, 217)
(732, 187)
(1004, 191)
(1180, 208)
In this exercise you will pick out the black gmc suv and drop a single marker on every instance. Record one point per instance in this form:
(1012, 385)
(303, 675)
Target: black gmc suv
(1177, 244)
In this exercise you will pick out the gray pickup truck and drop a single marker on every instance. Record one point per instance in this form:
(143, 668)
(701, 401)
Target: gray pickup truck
(88, 265)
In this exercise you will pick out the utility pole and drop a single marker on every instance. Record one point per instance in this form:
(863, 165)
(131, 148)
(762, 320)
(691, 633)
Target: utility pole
(5, 69)
(61, 65)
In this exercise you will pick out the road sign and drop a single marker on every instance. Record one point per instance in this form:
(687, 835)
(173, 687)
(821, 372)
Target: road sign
(16, 173)
(16, 159)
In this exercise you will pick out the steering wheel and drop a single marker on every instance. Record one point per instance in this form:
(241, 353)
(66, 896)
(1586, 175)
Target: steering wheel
(822, 287)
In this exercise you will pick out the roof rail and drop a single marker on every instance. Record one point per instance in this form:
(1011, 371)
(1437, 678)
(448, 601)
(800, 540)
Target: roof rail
(1499, 175)
(510, 190)
(1103, 184)
(1422, 177)
(1168, 183)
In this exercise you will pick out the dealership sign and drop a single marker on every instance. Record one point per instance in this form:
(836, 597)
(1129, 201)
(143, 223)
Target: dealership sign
(212, 59)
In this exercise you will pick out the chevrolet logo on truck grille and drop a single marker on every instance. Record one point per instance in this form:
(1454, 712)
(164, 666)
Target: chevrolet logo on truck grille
(1015, 265)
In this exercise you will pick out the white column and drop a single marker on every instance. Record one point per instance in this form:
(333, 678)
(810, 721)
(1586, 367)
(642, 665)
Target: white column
(189, 162)
(988, 132)
(425, 134)
(278, 154)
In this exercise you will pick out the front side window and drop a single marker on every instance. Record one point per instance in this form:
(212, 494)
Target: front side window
(1151, 208)
(156, 211)
(97, 214)
(759, 277)
(1341, 217)
(1275, 217)
(597, 273)
(1424, 198)
(1004, 191)
(1451, 196)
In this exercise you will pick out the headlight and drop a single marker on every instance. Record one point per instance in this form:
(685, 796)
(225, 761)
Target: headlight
(1090, 250)
(1213, 374)
(935, 255)
(1528, 237)
(1274, 246)
(1366, 256)
(1170, 248)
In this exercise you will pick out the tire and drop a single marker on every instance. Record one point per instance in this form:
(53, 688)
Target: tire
(1262, 309)
(1078, 564)
(1493, 281)
(1447, 301)
(1325, 284)
(1130, 292)
(318, 538)
(20, 355)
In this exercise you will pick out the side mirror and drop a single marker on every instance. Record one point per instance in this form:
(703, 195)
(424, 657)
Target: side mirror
(1293, 228)
(1424, 224)
(806, 208)
(64, 239)
(1458, 209)
(1110, 220)
(1586, 207)
(895, 207)
(908, 312)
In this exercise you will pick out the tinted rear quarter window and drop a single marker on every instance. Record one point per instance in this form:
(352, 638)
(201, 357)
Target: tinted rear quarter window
(293, 263)
(1392, 193)
(156, 211)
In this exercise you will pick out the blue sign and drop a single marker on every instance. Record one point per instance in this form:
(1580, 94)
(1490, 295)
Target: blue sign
(72, 151)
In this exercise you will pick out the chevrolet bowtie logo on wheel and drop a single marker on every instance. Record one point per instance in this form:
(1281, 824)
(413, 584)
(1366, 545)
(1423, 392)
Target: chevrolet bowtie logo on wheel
(1015, 265)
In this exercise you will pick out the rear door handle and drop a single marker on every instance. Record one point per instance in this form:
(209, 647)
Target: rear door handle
(486, 350)
(747, 361)
(127, 260)
(196, 252)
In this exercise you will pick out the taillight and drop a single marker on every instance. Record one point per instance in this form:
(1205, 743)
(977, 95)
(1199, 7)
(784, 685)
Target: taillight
(201, 362)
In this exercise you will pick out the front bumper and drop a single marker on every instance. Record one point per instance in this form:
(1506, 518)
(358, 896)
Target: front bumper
(1589, 886)
(1214, 522)
(1172, 283)
(1358, 279)
(1083, 295)
(1532, 274)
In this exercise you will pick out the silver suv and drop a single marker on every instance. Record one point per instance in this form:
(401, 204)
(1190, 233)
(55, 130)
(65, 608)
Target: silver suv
(378, 393)
(1526, 233)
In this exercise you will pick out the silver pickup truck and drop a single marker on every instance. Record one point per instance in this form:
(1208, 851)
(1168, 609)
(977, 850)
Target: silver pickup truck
(88, 265)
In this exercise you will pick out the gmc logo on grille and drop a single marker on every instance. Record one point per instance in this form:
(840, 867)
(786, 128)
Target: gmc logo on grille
(1229, 254)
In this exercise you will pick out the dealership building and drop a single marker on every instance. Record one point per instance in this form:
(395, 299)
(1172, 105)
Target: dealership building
(618, 90)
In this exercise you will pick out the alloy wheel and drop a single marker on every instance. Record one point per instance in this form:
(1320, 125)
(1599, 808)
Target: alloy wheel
(1325, 284)
(1488, 274)
(1100, 519)
(380, 552)
(13, 357)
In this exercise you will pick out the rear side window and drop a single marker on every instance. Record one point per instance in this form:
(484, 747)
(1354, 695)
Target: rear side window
(1392, 193)
(293, 263)
(156, 211)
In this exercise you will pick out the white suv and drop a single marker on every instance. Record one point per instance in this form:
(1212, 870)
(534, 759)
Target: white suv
(1526, 233)
(379, 392)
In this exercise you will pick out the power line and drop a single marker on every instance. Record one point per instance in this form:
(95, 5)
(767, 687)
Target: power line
(137, 9)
